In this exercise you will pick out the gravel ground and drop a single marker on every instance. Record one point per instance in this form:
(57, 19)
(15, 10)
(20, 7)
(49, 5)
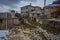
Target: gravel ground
(19, 34)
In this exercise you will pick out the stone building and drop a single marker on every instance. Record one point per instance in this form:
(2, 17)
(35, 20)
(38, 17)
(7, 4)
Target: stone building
(33, 12)
(7, 21)
(54, 15)
(51, 11)
(15, 20)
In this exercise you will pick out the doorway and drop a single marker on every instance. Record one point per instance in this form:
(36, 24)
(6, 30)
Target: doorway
(0, 23)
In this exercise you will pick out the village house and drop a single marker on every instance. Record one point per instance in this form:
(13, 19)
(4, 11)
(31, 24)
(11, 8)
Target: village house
(54, 15)
(15, 20)
(32, 12)
(7, 21)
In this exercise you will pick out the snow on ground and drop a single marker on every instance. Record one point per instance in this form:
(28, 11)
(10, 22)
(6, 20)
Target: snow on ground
(4, 34)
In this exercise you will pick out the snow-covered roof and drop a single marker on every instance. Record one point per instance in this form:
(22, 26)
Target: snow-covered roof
(52, 5)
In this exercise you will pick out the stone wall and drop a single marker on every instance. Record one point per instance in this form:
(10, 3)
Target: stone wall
(6, 24)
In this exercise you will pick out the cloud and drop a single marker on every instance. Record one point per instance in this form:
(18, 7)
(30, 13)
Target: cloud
(5, 5)
(13, 3)
(9, 2)
(4, 8)
(38, 3)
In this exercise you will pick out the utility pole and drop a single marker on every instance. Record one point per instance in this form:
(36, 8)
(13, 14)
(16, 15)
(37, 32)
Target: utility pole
(6, 21)
(44, 7)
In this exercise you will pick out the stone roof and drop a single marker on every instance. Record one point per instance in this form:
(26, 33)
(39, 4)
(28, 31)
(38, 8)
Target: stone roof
(31, 6)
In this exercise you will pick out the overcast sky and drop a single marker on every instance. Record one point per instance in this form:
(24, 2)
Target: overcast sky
(6, 5)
